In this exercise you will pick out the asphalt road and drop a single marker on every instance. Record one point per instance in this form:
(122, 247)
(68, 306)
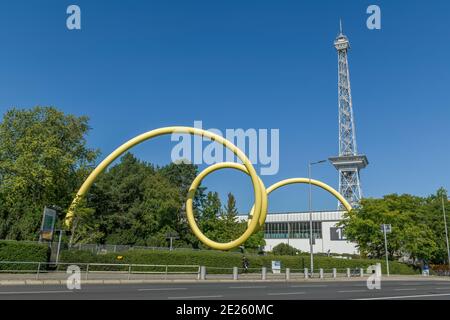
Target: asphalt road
(391, 290)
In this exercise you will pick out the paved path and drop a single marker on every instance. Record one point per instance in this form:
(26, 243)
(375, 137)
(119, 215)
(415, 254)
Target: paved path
(342, 290)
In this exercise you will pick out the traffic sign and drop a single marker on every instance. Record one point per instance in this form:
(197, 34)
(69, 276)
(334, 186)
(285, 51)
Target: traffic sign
(386, 228)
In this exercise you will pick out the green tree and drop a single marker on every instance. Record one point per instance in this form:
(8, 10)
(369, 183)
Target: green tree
(223, 225)
(85, 228)
(413, 235)
(227, 227)
(138, 203)
(212, 207)
(230, 211)
(43, 160)
(256, 240)
(209, 215)
(182, 175)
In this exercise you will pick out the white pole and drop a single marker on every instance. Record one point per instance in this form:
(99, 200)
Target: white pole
(310, 221)
(386, 249)
(446, 230)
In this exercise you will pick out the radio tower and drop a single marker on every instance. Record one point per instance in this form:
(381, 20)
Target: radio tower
(349, 162)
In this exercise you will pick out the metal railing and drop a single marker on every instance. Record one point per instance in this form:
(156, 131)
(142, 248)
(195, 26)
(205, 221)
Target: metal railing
(123, 271)
(39, 269)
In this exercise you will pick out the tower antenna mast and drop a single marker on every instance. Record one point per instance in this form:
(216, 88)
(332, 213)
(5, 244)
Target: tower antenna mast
(349, 162)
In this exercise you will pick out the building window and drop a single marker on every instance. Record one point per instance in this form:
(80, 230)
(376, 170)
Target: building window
(292, 230)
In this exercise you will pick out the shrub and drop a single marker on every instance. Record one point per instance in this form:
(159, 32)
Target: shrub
(18, 251)
(222, 262)
(283, 249)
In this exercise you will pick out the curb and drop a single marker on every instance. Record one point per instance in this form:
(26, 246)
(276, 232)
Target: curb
(118, 282)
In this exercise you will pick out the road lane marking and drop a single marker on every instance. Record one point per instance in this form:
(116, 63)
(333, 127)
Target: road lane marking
(34, 292)
(441, 288)
(194, 297)
(249, 287)
(350, 291)
(285, 293)
(412, 289)
(312, 286)
(408, 297)
(162, 289)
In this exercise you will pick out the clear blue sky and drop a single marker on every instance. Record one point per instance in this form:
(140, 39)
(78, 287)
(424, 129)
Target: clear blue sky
(139, 65)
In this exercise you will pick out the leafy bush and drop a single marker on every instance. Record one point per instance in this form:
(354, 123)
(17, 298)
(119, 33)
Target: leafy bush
(283, 249)
(22, 252)
(223, 262)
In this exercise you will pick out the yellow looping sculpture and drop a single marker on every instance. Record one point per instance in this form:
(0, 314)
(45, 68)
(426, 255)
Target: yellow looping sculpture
(259, 194)
(317, 183)
(262, 217)
(257, 215)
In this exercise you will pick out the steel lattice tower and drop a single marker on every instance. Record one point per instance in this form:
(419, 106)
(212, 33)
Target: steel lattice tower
(349, 162)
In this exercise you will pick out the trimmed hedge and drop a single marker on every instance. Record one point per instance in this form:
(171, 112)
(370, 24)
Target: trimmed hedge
(222, 261)
(19, 251)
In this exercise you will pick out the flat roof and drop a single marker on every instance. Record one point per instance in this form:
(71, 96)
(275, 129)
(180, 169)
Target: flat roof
(331, 215)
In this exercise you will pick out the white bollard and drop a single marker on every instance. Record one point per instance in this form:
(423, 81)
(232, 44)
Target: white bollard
(235, 273)
(334, 273)
(264, 273)
(361, 272)
(378, 272)
(348, 273)
(321, 273)
(288, 274)
(202, 273)
(306, 273)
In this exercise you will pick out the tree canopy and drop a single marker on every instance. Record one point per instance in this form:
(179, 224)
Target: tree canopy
(43, 158)
(417, 227)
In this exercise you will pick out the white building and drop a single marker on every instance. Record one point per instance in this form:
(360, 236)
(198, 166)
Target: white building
(293, 229)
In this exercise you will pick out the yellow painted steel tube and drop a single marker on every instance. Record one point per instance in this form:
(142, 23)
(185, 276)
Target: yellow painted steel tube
(259, 195)
(317, 183)
(256, 217)
(253, 214)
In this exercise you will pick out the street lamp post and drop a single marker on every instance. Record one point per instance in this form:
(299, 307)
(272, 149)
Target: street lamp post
(385, 231)
(446, 230)
(310, 214)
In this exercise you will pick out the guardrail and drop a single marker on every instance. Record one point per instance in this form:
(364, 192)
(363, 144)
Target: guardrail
(40, 269)
(281, 274)
(123, 271)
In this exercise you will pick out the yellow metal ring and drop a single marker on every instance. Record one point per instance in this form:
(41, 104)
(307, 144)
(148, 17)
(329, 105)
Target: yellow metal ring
(259, 195)
(256, 218)
(258, 213)
(317, 183)
(263, 216)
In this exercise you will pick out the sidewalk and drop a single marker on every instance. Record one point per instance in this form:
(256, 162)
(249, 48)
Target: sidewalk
(102, 278)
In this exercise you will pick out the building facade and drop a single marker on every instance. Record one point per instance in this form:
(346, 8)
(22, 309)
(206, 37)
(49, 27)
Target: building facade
(293, 229)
